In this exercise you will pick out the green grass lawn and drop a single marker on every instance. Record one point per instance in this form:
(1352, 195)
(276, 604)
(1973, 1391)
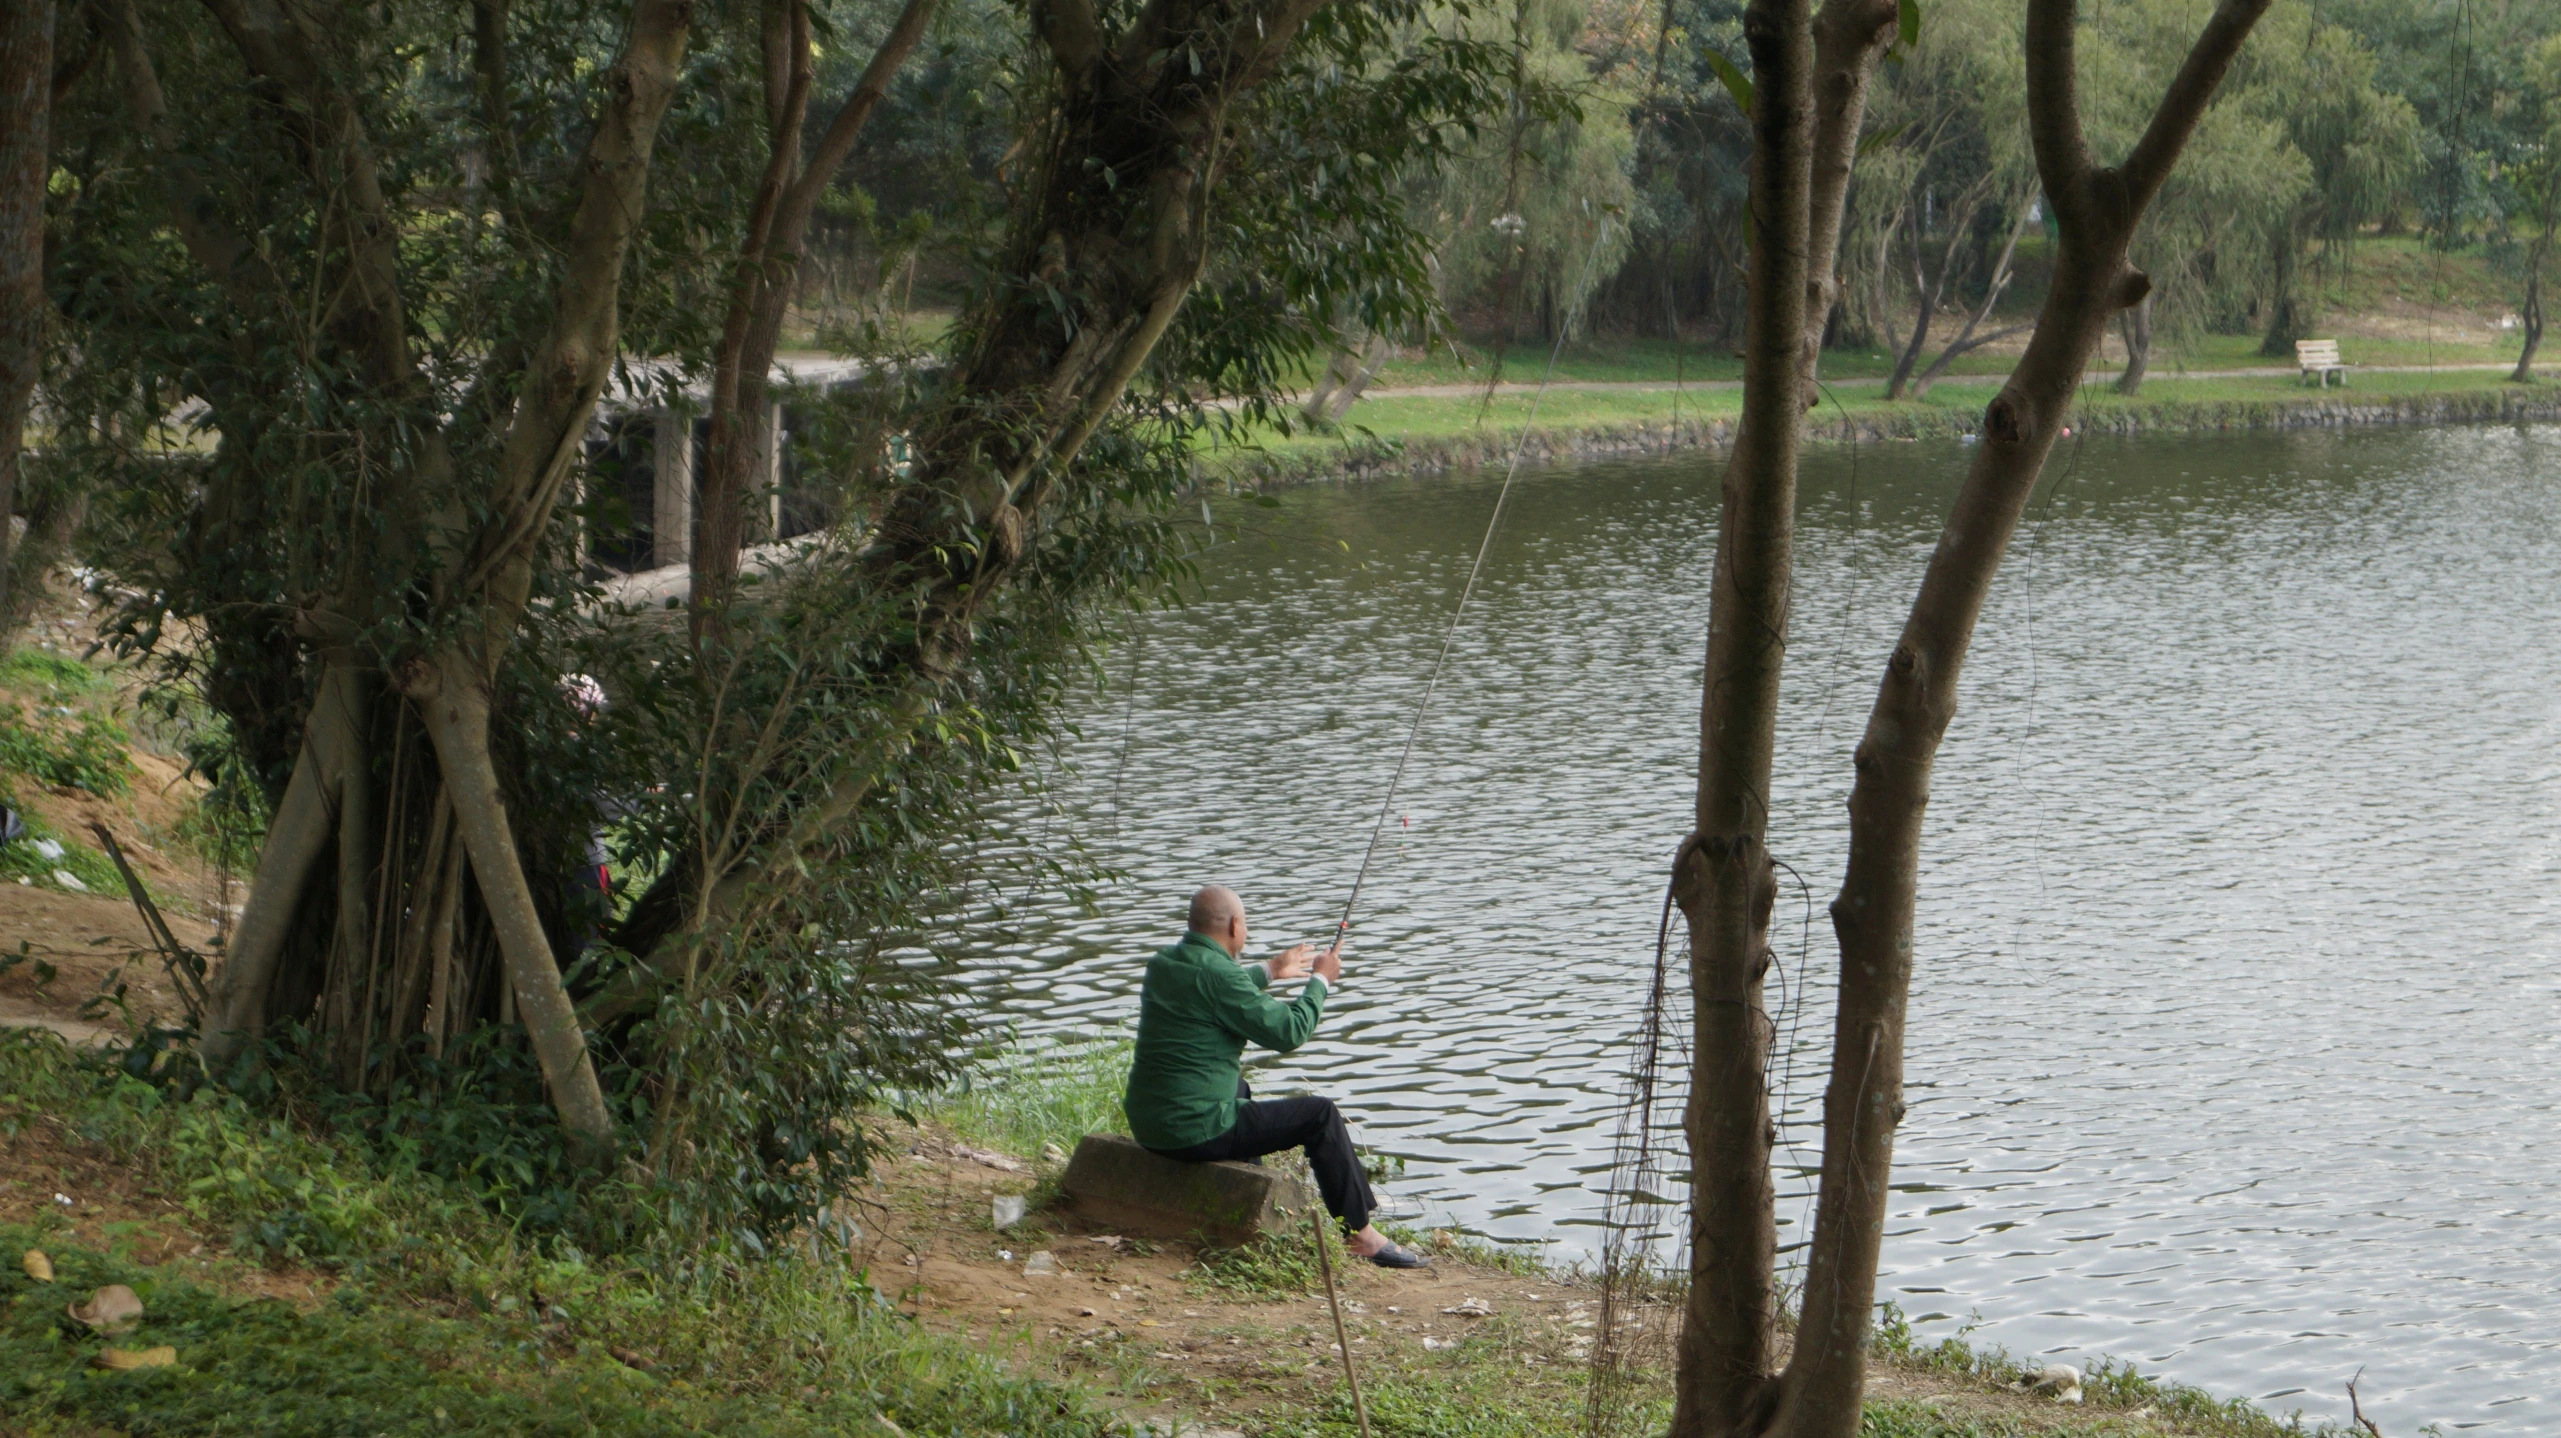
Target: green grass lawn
(2168, 401)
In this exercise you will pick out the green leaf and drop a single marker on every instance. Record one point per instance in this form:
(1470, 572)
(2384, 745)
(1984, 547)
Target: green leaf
(1907, 18)
(1879, 139)
(1737, 84)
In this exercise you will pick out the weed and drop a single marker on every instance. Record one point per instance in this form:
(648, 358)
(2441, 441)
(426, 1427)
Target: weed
(2108, 1384)
(66, 750)
(1275, 1265)
(1046, 1096)
(52, 673)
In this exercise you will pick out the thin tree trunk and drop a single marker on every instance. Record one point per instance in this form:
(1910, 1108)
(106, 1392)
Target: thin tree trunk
(1722, 871)
(1926, 296)
(768, 272)
(1850, 37)
(1932, 293)
(2531, 317)
(26, 98)
(1965, 341)
(1884, 316)
(2135, 325)
(2096, 210)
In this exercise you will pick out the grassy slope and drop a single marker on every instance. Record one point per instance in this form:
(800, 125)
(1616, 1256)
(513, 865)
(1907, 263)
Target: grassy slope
(352, 1298)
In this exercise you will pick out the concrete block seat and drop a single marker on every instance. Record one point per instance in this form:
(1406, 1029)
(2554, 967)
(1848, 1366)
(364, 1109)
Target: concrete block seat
(1114, 1183)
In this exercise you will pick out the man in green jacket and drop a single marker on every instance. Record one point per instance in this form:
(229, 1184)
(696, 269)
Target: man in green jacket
(1187, 1095)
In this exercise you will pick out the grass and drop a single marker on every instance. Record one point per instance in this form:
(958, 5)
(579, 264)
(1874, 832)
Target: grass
(1429, 432)
(429, 1315)
(21, 861)
(435, 1317)
(1046, 1096)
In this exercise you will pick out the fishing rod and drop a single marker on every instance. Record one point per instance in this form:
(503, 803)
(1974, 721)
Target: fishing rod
(1467, 591)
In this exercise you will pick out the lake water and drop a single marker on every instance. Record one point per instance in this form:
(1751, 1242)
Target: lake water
(2233, 1034)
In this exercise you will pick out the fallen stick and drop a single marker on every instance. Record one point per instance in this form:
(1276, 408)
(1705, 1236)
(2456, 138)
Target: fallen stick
(2356, 1410)
(1325, 1262)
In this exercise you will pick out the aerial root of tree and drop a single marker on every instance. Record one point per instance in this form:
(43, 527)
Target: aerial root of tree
(456, 716)
(298, 834)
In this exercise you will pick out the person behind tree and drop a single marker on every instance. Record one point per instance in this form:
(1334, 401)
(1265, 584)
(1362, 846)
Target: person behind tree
(1187, 1097)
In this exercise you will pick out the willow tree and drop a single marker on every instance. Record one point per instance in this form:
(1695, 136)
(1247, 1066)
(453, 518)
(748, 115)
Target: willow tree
(1729, 1383)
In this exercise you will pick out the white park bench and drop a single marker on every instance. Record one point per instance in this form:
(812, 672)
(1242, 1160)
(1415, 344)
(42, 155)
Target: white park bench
(2320, 360)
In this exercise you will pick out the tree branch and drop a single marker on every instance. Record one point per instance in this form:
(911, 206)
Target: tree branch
(2176, 117)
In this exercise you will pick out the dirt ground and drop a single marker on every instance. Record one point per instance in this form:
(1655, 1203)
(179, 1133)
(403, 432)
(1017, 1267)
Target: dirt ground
(1143, 1322)
(94, 941)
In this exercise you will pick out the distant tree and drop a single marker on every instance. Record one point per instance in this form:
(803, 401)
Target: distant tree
(2534, 173)
(2362, 145)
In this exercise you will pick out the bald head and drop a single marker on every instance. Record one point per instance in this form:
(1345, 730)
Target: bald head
(1215, 909)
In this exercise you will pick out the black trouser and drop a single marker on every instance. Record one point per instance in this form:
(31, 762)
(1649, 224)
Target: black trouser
(1314, 1124)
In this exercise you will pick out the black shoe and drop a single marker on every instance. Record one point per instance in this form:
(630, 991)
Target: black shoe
(1394, 1257)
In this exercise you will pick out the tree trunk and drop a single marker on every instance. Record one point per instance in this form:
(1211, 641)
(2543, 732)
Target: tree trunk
(298, 835)
(2531, 316)
(1347, 374)
(1850, 37)
(768, 273)
(1966, 340)
(52, 516)
(1931, 293)
(26, 98)
(475, 575)
(2285, 322)
(456, 715)
(1719, 878)
(2135, 324)
(2096, 210)
(1926, 297)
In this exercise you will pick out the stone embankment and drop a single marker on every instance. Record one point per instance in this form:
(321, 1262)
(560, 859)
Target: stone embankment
(2101, 414)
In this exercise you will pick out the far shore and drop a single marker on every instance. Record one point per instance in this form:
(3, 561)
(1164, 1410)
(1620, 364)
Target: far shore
(1436, 428)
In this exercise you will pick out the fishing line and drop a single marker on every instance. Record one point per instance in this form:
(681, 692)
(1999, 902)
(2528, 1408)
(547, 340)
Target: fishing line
(1493, 522)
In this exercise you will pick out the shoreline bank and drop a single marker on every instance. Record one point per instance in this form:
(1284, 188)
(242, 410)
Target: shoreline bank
(1420, 435)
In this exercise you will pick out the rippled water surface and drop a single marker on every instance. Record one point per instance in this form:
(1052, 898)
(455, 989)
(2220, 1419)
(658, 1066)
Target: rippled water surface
(2233, 1033)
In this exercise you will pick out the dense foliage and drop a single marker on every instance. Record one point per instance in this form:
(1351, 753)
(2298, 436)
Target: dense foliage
(307, 447)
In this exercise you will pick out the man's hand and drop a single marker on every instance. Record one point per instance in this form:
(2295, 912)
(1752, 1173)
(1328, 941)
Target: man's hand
(1293, 963)
(1329, 964)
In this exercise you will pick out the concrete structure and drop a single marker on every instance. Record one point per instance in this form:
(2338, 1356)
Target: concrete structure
(1117, 1184)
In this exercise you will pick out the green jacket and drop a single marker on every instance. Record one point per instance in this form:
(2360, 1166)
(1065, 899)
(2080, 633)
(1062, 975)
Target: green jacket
(1196, 1013)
